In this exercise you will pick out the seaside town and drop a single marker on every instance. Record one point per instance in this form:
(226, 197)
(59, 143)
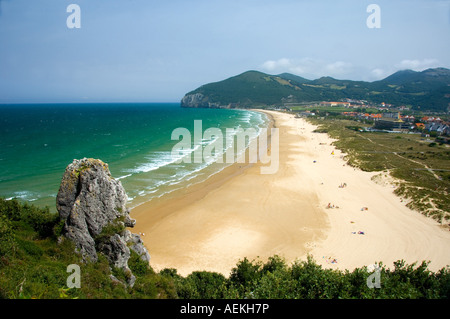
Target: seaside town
(384, 117)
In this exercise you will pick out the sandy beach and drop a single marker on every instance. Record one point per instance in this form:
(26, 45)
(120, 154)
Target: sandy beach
(243, 213)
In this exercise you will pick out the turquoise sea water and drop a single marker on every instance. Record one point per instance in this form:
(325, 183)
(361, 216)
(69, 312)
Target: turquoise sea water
(37, 142)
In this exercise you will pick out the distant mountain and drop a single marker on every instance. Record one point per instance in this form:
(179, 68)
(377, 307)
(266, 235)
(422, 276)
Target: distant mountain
(401, 77)
(427, 90)
(436, 76)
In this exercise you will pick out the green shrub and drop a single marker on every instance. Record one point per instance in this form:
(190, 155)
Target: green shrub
(138, 266)
(7, 242)
(202, 285)
(245, 274)
(114, 227)
(30, 248)
(274, 285)
(273, 264)
(38, 219)
(171, 273)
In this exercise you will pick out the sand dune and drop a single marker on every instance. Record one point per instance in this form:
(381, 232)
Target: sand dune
(253, 215)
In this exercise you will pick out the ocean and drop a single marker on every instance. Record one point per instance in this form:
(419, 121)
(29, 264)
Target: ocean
(135, 139)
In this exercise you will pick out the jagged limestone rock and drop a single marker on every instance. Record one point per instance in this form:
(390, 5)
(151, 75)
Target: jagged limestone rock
(136, 244)
(92, 202)
(199, 100)
(194, 100)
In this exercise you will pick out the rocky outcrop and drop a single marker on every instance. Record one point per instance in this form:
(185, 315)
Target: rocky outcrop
(198, 100)
(93, 206)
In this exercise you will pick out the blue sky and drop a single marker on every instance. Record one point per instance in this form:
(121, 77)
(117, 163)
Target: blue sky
(156, 51)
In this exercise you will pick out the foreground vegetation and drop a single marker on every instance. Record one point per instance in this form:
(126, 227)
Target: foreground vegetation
(420, 167)
(34, 259)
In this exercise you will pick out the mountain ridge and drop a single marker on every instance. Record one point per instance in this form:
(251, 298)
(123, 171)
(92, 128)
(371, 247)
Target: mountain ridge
(424, 90)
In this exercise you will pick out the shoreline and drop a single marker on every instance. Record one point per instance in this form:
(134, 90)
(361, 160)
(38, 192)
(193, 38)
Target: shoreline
(182, 197)
(239, 213)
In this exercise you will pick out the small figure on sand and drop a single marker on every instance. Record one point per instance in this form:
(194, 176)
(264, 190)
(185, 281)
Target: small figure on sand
(332, 206)
(364, 208)
(343, 185)
(330, 260)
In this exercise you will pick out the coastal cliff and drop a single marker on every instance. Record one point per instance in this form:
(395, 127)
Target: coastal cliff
(196, 100)
(92, 205)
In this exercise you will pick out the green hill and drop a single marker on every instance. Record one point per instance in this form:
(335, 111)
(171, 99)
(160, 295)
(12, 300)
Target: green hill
(426, 90)
(295, 78)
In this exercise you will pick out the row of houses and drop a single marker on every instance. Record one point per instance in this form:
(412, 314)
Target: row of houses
(395, 121)
(368, 116)
(431, 119)
(290, 102)
(439, 128)
(351, 103)
(391, 120)
(332, 104)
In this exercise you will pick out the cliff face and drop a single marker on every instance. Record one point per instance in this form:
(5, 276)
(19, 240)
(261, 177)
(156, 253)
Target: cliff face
(198, 100)
(93, 205)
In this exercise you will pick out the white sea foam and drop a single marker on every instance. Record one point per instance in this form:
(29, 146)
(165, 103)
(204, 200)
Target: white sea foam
(191, 173)
(161, 159)
(124, 176)
(156, 161)
(25, 195)
(247, 117)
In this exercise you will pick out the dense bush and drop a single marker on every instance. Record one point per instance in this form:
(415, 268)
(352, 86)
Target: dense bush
(308, 280)
(6, 236)
(202, 285)
(28, 216)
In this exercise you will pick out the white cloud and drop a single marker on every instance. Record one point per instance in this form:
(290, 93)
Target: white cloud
(378, 74)
(338, 68)
(312, 68)
(308, 67)
(279, 64)
(417, 65)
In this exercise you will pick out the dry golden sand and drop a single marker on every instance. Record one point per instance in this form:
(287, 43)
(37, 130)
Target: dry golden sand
(243, 213)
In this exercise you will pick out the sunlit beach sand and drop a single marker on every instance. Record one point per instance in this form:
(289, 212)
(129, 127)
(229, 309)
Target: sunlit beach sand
(315, 204)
